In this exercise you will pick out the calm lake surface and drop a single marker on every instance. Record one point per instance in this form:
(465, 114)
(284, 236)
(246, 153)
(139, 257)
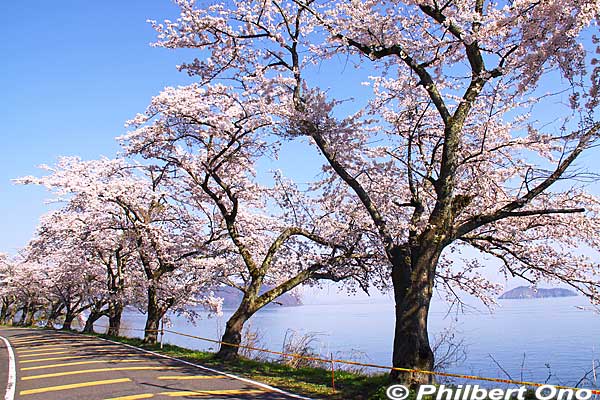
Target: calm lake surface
(553, 335)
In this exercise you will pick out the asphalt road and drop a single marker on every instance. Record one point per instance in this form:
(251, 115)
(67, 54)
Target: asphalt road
(62, 366)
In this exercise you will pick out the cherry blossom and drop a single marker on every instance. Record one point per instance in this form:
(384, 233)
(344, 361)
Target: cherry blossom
(279, 236)
(451, 151)
(127, 224)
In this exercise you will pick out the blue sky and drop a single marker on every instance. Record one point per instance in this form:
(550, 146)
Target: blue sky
(72, 72)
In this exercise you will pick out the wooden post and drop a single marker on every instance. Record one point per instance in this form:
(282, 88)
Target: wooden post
(332, 372)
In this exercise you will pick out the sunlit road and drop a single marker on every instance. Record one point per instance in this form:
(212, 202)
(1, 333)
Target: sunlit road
(62, 366)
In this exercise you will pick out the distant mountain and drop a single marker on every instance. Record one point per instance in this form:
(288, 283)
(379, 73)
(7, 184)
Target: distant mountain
(527, 292)
(233, 297)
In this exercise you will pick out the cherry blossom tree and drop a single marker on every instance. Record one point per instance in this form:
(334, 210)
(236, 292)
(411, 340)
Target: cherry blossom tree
(7, 297)
(450, 151)
(44, 285)
(26, 286)
(74, 285)
(136, 229)
(85, 249)
(279, 236)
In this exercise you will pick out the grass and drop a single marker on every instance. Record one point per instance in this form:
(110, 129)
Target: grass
(310, 382)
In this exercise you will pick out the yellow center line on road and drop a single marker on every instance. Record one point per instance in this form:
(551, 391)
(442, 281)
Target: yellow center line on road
(92, 346)
(22, 338)
(116, 349)
(90, 371)
(42, 348)
(83, 356)
(46, 338)
(190, 377)
(83, 350)
(48, 353)
(226, 392)
(52, 359)
(75, 339)
(27, 337)
(73, 386)
(79, 363)
(134, 397)
(70, 349)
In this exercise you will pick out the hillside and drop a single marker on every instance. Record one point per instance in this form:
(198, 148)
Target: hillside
(527, 292)
(232, 298)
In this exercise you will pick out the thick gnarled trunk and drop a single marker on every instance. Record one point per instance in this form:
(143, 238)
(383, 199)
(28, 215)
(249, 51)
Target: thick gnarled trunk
(115, 312)
(233, 332)
(30, 317)
(251, 303)
(152, 320)
(152, 325)
(53, 314)
(155, 314)
(67, 324)
(23, 317)
(69, 318)
(413, 279)
(4, 309)
(91, 320)
(9, 318)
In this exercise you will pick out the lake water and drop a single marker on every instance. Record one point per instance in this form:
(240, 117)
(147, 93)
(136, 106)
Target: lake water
(529, 339)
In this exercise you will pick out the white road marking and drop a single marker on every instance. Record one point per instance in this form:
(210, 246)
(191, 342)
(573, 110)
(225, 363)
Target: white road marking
(12, 371)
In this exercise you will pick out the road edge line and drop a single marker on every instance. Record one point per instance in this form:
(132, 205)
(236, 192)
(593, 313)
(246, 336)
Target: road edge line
(12, 371)
(239, 378)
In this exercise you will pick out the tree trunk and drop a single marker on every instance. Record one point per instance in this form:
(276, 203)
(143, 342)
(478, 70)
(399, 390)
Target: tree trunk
(49, 323)
(69, 317)
(54, 313)
(115, 312)
(30, 317)
(413, 279)
(23, 316)
(10, 316)
(234, 328)
(153, 320)
(4, 310)
(251, 303)
(91, 319)
(151, 328)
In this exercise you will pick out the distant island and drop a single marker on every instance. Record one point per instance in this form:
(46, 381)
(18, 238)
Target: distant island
(527, 292)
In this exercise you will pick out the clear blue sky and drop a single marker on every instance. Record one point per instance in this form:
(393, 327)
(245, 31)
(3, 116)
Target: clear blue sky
(72, 72)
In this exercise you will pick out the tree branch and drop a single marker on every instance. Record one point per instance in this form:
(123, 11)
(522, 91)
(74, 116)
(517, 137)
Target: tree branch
(508, 210)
